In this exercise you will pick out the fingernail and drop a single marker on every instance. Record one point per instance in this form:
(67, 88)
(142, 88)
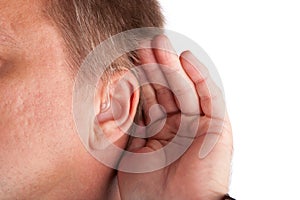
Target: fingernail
(166, 43)
(145, 44)
(189, 56)
(163, 42)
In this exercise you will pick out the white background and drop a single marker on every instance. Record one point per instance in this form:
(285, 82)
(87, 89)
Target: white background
(255, 46)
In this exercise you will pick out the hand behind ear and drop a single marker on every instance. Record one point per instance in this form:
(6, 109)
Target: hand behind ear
(194, 175)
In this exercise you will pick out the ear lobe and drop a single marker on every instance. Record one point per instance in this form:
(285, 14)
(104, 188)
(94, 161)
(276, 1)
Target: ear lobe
(118, 107)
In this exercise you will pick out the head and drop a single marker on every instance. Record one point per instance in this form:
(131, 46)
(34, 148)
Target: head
(42, 44)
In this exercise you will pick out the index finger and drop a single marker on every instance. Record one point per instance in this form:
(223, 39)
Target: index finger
(180, 84)
(211, 97)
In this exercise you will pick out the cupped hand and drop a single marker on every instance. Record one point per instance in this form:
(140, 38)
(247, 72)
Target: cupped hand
(190, 127)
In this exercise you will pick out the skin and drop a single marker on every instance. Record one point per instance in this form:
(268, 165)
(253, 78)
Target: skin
(188, 177)
(41, 154)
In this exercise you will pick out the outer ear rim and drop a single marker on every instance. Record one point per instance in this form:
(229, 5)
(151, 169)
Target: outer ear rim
(124, 97)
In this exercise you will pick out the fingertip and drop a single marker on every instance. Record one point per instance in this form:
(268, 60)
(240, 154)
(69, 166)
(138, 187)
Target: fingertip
(160, 39)
(185, 57)
(189, 57)
(186, 53)
(145, 53)
(162, 42)
(193, 67)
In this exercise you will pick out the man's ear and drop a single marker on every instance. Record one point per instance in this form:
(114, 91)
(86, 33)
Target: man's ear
(118, 102)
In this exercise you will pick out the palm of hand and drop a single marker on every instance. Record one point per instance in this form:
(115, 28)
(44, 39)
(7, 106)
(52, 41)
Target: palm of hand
(188, 177)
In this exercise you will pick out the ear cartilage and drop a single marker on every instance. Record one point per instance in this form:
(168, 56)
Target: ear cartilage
(105, 105)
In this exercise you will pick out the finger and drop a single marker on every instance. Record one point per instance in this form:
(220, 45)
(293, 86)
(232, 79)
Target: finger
(148, 98)
(211, 97)
(157, 79)
(135, 143)
(179, 82)
(211, 101)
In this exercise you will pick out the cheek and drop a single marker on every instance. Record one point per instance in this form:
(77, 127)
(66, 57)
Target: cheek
(36, 126)
(34, 108)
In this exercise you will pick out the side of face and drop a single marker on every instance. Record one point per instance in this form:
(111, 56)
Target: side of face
(39, 146)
